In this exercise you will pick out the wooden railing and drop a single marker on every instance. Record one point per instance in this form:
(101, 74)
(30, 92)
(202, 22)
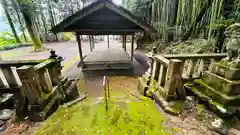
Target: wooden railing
(196, 63)
(169, 72)
(37, 81)
(8, 75)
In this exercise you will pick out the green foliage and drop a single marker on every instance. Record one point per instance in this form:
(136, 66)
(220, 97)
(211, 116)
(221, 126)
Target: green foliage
(192, 46)
(6, 38)
(7, 41)
(158, 45)
(67, 36)
(236, 11)
(221, 23)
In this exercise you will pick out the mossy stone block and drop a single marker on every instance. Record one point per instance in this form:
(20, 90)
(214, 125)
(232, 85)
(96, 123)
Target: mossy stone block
(142, 86)
(221, 84)
(228, 70)
(204, 91)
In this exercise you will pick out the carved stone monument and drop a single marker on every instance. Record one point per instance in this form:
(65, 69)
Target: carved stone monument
(221, 86)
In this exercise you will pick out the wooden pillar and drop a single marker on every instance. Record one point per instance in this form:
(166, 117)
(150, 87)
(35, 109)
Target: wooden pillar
(132, 47)
(93, 42)
(174, 78)
(80, 48)
(108, 41)
(124, 42)
(30, 84)
(45, 80)
(90, 42)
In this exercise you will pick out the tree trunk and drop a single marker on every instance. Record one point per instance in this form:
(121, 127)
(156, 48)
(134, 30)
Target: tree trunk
(4, 5)
(43, 20)
(173, 18)
(30, 25)
(16, 6)
(203, 10)
(52, 18)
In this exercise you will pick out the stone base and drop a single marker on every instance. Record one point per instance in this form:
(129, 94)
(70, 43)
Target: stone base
(216, 107)
(228, 87)
(142, 85)
(174, 107)
(207, 93)
(48, 106)
(227, 69)
(150, 89)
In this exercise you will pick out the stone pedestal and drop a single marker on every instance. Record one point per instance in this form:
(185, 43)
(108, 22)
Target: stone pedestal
(228, 69)
(220, 86)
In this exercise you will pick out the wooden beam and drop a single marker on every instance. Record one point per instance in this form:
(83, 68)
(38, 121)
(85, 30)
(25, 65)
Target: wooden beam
(217, 56)
(132, 47)
(162, 60)
(80, 49)
(103, 31)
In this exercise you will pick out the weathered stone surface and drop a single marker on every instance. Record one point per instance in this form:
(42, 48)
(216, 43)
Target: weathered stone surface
(233, 44)
(49, 105)
(6, 114)
(3, 128)
(233, 131)
(6, 101)
(2, 122)
(72, 92)
(142, 86)
(219, 126)
(221, 84)
(207, 93)
(228, 70)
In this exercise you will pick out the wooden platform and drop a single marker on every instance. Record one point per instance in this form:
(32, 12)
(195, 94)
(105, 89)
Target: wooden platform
(107, 59)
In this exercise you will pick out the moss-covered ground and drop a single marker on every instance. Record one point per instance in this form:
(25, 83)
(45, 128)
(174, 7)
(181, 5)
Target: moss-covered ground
(91, 118)
(127, 115)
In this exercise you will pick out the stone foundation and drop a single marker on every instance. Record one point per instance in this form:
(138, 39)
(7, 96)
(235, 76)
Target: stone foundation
(220, 87)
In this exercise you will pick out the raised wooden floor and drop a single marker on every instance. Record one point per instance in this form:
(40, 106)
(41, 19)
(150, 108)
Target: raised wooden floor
(107, 59)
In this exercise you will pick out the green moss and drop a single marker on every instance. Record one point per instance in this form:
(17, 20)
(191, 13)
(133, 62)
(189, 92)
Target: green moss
(81, 85)
(89, 118)
(175, 107)
(148, 93)
(201, 110)
(175, 130)
(204, 91)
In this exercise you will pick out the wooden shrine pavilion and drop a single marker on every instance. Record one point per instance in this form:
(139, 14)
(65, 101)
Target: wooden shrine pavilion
(103, 17)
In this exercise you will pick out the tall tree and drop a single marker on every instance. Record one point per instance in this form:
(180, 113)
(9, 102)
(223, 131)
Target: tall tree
(51, 16)
(11, 24)
(198, 18)
(27, 10)
(16, 8)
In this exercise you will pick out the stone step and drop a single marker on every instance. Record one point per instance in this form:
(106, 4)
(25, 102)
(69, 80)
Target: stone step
(220, 109)
(223, 85)
(227, 69)
(204, 89)
(48, 105)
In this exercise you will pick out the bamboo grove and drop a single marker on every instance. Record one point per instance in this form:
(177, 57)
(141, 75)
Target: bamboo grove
(180, 20)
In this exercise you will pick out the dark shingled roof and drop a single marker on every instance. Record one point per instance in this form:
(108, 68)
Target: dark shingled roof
(103, 17)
